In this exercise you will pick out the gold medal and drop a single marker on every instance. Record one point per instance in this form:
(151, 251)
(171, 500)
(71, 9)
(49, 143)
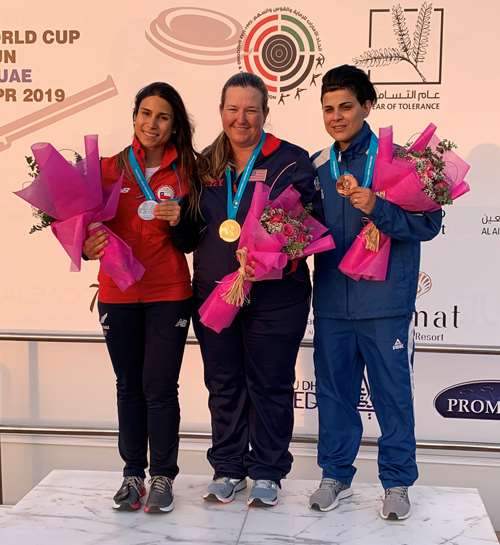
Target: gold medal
(229, 230)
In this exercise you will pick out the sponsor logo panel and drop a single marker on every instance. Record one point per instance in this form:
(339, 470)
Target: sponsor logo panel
(479, 400)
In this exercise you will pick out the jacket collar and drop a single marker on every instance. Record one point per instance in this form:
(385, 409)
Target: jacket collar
(271, 144)
(169, 155)
(359, 144)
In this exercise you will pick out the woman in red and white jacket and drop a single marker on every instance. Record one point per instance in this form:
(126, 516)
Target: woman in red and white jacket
(146, 325)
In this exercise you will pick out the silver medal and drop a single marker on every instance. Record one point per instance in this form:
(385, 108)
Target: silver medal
(146, 210)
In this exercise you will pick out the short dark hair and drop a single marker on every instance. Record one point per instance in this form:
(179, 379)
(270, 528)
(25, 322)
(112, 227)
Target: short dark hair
(352, 78)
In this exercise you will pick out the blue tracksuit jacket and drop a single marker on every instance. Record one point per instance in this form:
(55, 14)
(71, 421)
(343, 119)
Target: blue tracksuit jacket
(336, 295)
(366, 324)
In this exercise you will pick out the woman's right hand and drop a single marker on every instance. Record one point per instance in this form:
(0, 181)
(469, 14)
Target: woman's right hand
(94, 245)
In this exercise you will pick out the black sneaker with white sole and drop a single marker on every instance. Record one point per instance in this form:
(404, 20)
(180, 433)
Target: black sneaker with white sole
(128, 496)
(161, 496)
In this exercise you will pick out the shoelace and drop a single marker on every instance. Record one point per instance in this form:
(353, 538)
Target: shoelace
(134, 482)
(263, 483)
(401, 491)
(160, 483)
(331, 483)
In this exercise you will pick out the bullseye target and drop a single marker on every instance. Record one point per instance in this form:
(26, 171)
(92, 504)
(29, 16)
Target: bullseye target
(281, 50)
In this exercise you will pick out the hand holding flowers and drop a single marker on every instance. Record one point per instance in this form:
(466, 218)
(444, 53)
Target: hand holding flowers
(76, 201)
(420, 177)
(273, 233)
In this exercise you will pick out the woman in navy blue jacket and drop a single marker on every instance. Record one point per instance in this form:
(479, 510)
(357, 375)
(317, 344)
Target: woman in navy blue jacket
(249, 367)
(363, 323)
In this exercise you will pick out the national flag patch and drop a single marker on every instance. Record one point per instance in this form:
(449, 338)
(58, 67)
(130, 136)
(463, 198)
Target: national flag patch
(258, 175)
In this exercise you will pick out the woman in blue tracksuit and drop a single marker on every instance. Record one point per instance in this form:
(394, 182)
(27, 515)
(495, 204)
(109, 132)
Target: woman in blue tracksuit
(363, 323)
(249, 366)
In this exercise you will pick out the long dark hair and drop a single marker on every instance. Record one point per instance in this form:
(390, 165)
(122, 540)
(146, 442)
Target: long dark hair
(215, 158)
(181, 137)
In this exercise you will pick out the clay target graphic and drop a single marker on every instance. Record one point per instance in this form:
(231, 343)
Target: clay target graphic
(281, 50)
(195, 35)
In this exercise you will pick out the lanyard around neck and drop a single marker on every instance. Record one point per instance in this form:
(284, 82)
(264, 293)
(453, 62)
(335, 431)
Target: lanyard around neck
(141, 179)
(369, 166)
(234, 203)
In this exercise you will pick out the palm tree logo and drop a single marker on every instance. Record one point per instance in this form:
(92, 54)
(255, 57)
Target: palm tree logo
(412, 51)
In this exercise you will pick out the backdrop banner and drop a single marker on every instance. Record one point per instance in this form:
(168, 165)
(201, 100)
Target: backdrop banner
(66, 73)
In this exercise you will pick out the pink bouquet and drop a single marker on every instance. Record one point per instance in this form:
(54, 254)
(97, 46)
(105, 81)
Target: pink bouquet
(418, 178)
(74, 196)
(273, 233)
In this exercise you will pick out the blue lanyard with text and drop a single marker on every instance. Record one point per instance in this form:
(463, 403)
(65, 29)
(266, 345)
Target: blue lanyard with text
(141, 179)
(234, 203)
(369, 167)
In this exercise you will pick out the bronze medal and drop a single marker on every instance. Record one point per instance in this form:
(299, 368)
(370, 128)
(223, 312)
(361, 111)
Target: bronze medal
(345, 183)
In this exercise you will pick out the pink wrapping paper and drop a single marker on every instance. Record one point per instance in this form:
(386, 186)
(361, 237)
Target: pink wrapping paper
(75, 197)
(396, 180)
(264, 250)
(360, 263)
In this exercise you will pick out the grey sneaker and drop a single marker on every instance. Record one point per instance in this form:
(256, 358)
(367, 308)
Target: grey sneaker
(396, 504)
(328, 495)
(264, 493)
(161, 497)
(128, 496)
(224, 489)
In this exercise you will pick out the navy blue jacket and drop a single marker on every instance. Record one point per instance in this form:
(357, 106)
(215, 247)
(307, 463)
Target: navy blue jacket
(338, 296)
(279, 165)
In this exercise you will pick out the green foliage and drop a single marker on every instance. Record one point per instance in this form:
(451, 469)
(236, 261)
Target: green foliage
(430, 166)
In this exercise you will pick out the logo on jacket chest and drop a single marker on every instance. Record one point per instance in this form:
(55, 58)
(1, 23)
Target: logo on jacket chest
(165, 192)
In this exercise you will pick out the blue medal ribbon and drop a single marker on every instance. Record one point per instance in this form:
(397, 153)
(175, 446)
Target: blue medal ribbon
(234, 203)
(141, 179)
(139, 176)
(369, 167)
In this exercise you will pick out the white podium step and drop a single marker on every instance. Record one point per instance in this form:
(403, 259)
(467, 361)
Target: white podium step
(74, 508)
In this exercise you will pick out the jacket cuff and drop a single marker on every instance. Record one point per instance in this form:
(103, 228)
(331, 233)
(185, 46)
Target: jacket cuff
(378, 209)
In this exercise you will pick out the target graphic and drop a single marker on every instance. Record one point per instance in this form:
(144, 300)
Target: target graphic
(281, 49)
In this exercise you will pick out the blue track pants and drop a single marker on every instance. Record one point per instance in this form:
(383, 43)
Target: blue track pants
(342, 348)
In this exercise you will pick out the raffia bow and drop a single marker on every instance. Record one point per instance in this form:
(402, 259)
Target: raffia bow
(372, 238)
(235, 295)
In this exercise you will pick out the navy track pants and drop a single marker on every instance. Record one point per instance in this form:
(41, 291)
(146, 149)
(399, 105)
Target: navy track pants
(249, 373)
(146, 344)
